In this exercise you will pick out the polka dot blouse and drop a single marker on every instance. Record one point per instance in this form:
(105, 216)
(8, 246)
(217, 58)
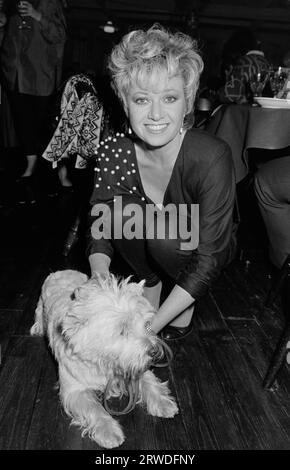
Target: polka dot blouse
(116, 170)
(203, 174)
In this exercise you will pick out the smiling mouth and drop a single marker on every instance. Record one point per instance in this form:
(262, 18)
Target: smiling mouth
(156, 127)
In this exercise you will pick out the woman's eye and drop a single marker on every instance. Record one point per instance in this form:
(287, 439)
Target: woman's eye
(141, 100)
(170, 99)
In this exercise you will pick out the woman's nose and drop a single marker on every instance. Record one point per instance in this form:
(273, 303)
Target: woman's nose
(155, 112)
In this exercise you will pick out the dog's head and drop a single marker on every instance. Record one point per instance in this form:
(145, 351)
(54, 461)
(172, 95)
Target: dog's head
(107, 324)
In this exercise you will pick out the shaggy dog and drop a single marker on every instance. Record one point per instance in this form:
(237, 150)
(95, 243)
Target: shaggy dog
(99, 333)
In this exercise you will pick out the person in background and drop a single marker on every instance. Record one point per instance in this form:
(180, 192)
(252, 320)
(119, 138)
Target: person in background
(31, 62)
(162, 164)
(242, 59)
(3, 20)
(272, 188)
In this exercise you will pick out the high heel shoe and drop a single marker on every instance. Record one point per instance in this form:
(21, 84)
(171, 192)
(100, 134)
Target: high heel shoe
(174, 333)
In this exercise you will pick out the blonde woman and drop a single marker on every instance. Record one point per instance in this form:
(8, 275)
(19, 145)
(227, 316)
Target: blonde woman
(164, 164)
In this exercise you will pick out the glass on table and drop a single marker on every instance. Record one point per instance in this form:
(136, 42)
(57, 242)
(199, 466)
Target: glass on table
(257, 82)
(277, 79)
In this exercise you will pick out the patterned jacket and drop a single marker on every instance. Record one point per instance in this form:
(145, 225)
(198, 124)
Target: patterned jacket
(237, 85)
(80, 123)
(32, 57)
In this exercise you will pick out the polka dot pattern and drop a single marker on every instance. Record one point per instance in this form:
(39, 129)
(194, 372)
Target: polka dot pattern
(115, 175)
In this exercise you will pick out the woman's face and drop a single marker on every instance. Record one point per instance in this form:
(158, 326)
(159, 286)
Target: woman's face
(156, 111)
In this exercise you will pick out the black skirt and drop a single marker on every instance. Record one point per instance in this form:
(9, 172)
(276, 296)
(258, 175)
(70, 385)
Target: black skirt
(31, 119)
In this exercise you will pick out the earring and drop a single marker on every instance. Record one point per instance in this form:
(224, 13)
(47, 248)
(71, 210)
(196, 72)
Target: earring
(181, 129)
(128, 127)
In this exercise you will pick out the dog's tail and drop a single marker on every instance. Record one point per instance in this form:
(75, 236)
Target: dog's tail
(38, 328)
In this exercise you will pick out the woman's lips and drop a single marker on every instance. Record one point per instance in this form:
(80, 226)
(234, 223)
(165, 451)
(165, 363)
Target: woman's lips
(156, 128)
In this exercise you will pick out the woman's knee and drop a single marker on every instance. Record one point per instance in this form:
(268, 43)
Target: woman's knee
(162, 248)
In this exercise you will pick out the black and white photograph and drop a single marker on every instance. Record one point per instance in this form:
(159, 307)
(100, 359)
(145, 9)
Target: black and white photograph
(144, 230)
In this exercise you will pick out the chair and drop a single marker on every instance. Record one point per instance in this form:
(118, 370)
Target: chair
(282, 280)
(101, 119)
(202, 113)
(81, 122)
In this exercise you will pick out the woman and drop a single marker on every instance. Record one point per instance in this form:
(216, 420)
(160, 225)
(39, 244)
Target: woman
(31, 62)
(156, 75)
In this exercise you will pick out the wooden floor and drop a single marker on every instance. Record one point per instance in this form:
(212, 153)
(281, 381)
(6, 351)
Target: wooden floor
(216, 375)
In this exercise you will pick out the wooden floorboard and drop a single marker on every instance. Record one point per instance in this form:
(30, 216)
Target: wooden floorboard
(50, 428)
(9, 320)
(19, 379)
(206, 417)
(223, 353)
(252, 358)
(216, 375)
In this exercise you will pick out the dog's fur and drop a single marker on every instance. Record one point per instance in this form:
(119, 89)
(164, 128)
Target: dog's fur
(96, 330)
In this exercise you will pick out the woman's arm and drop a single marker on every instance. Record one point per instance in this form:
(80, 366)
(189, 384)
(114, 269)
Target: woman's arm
(99, 263)
(99, 250)
(177, 301)
(50, 17)
(27, 9)
(52, 23)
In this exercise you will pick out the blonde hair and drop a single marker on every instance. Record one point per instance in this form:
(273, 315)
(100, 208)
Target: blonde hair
(141, 53)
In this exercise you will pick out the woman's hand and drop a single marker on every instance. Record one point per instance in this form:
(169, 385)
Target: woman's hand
(100, 264)
(177, 302)
(26, 9)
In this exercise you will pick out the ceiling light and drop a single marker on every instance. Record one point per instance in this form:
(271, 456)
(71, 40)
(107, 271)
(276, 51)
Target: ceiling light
(109, 27)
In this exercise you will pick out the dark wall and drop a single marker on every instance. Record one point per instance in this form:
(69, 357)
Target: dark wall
(88, 46)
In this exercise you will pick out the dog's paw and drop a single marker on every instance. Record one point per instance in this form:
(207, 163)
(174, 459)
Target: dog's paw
(165, 407)
(109, 434)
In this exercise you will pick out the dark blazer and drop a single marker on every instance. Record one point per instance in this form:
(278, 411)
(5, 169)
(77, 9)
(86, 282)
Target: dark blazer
(31, 59)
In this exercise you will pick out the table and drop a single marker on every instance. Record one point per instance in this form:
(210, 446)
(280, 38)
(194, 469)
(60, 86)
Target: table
(244, 127)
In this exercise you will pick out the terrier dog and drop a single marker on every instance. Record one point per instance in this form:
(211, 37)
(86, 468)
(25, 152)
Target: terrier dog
(98, 332)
